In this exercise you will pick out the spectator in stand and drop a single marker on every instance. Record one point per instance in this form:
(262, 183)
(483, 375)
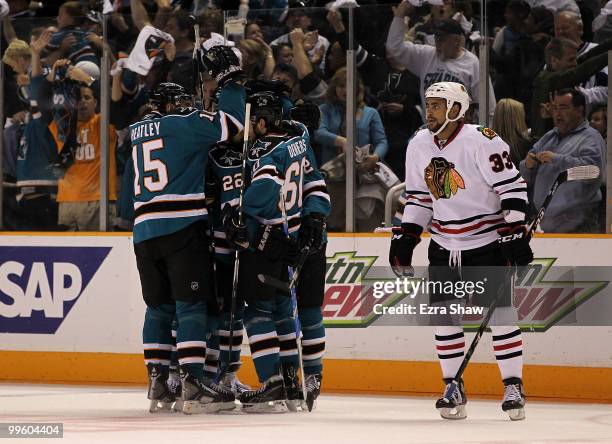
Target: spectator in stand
(176, 65)
(598, 119)
(310, 84)
(562, 70)
(569, 25)
(572, 142)
(508, 37)
(315, 44)
(539, 24)
(37, 152)
(283, 53)
(71, 42)
(602, 25)
(253, 31)
(211, 23)
(332, 131)
(398, 102)
(20, 17)
(370, 139)
(288, 75)
(514, 55)
(257, 59)
(268, 12)
(79, 190)
(447, 61)
(509, 123)
(556, 5)
(180, 26)
(17, 59)
(422, 32)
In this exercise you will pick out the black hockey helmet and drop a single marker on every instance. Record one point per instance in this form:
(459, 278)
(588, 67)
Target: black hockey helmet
(165, 93)
(268, 106)
(307, 113)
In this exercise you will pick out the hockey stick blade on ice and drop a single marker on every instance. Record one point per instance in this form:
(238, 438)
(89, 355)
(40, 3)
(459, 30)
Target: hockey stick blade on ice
(587, 172)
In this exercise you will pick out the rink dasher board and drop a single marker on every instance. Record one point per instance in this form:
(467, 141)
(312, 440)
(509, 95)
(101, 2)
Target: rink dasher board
(101, 320)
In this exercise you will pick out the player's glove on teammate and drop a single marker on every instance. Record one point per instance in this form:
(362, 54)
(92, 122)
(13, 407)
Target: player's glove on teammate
(311, 232)
(221, 63)
(236, 233)
(514, 244)
(276, 246)
(403, 241)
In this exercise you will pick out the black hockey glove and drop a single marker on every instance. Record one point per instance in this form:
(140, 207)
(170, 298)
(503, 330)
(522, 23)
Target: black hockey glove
(311, 232)
(403, 241)
(221, 63)
(276, 246)
(307, 113)
(514, 244)
(236, 233)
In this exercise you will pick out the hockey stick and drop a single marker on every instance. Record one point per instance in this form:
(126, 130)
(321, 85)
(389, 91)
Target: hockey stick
(245, 147)
(587, 172)
(282, 285)
(298, 329)
(199, 87)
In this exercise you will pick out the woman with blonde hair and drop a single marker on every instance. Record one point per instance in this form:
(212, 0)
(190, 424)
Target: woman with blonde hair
(509, 123)
(257, 59)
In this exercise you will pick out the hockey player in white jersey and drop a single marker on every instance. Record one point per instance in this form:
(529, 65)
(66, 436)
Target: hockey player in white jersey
(462, 187)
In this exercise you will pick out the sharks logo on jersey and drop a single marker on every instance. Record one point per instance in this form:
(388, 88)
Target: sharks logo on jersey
(226, 157)
(261, 148)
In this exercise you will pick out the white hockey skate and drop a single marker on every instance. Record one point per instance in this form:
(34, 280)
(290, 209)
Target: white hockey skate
(514, 399)
(452, 404)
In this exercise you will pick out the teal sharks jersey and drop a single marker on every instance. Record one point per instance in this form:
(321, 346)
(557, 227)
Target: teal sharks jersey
(225, 165)
(169, 155)
(283, 164)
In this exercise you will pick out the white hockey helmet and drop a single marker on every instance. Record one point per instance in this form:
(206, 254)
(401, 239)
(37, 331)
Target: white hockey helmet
(452, 92)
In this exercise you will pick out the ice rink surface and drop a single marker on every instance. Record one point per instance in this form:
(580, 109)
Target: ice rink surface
(119, 415)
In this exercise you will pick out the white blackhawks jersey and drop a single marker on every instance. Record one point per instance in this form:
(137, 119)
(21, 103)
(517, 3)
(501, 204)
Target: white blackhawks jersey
(461, 192)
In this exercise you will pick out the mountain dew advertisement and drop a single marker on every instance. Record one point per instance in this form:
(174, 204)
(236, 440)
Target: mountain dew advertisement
(359, 294)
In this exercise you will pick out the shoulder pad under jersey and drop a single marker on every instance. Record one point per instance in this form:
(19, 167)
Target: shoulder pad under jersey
(226, 158)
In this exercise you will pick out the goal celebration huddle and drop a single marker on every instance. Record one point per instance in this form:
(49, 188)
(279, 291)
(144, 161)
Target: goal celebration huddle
(230, 238)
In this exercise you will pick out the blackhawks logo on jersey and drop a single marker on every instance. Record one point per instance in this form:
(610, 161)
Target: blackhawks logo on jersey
(442, 179)
(487, 132)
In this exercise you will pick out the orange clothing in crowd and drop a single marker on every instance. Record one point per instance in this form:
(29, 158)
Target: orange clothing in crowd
(81, 183)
